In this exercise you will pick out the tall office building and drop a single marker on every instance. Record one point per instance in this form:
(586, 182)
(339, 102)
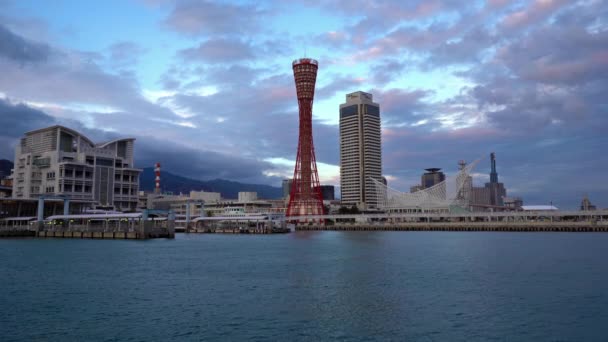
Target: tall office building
(328, 192)
(497, 189)
(493, 193)
(431, 177)
(58, 161)
(360, 150)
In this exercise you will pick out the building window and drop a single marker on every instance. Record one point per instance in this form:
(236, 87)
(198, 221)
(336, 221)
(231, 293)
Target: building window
(373, 110)
(348, 111)
(104, 162)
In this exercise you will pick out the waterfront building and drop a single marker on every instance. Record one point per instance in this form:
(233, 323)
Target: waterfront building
(287, 188)
(415, 188)
(492, 195)
(58, 161)
(328, 192)
(513, 203)
(213, 205)
(247, 196)
(206, 196)
(586, 204)
(360, 150)
(6, 187)
(6, 191)
(497, 189)
(431, 177)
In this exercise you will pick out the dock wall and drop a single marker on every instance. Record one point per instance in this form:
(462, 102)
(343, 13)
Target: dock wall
(466, 227)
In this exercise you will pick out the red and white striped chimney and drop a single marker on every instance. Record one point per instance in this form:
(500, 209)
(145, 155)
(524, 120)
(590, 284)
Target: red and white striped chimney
(157, 179)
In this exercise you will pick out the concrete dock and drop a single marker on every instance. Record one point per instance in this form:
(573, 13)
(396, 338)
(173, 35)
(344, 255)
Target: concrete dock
(465, 227)
(515, 221)
(93, 226)
(238, 230)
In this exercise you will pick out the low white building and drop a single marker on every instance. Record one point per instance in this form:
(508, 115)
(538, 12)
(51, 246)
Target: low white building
(60, 161)
(246, 196)
(542, 207)
(208, 197)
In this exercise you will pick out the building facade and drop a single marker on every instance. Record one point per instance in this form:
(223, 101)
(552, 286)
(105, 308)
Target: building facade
(492, 194)
(247, 196)
(58, 161)
(328, 192)
(360, 150)
(286, 186)
(431, 177)
(207, 196)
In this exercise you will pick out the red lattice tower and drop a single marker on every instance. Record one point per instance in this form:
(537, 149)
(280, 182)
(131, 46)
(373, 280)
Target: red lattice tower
(305, 197)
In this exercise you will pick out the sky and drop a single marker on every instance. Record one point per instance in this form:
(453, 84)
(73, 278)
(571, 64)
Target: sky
(206, 87)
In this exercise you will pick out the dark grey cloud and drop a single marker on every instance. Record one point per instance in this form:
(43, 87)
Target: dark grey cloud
(403, 107)
(338, 84)
(233, 75)
(568, 55)
(219, 50)
(552, 76)
(375, 18)
(16, 119)
(531, 14)
(232, 50)
(213, 18)
(464, 49)
(200, 164)
(19, 49)
(124, 54)
(388, 70)
(34, 71)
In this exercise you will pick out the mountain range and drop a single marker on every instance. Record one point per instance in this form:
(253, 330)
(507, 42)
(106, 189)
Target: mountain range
(228, 189)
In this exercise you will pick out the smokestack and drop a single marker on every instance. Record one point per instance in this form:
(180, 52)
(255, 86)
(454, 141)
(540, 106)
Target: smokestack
(157, 179)
(493, 174)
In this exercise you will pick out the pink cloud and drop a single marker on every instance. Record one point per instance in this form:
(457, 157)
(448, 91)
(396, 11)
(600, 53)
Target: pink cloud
(536, 12)
(546, 70)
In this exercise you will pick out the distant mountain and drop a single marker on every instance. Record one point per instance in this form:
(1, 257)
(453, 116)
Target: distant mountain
(228, 189)
(5, 168)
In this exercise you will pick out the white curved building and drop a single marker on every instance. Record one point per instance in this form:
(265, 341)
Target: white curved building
(60, 161)
(451, 193)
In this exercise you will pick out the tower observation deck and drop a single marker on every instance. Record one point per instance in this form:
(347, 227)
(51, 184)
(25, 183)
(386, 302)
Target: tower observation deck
(305, 197)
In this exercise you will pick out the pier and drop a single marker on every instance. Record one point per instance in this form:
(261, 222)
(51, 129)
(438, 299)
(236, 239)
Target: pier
(515, 221)
(252, 224)
(91, 226)
(466, 227)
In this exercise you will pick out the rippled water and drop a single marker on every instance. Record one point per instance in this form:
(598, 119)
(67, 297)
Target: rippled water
(308, 286)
